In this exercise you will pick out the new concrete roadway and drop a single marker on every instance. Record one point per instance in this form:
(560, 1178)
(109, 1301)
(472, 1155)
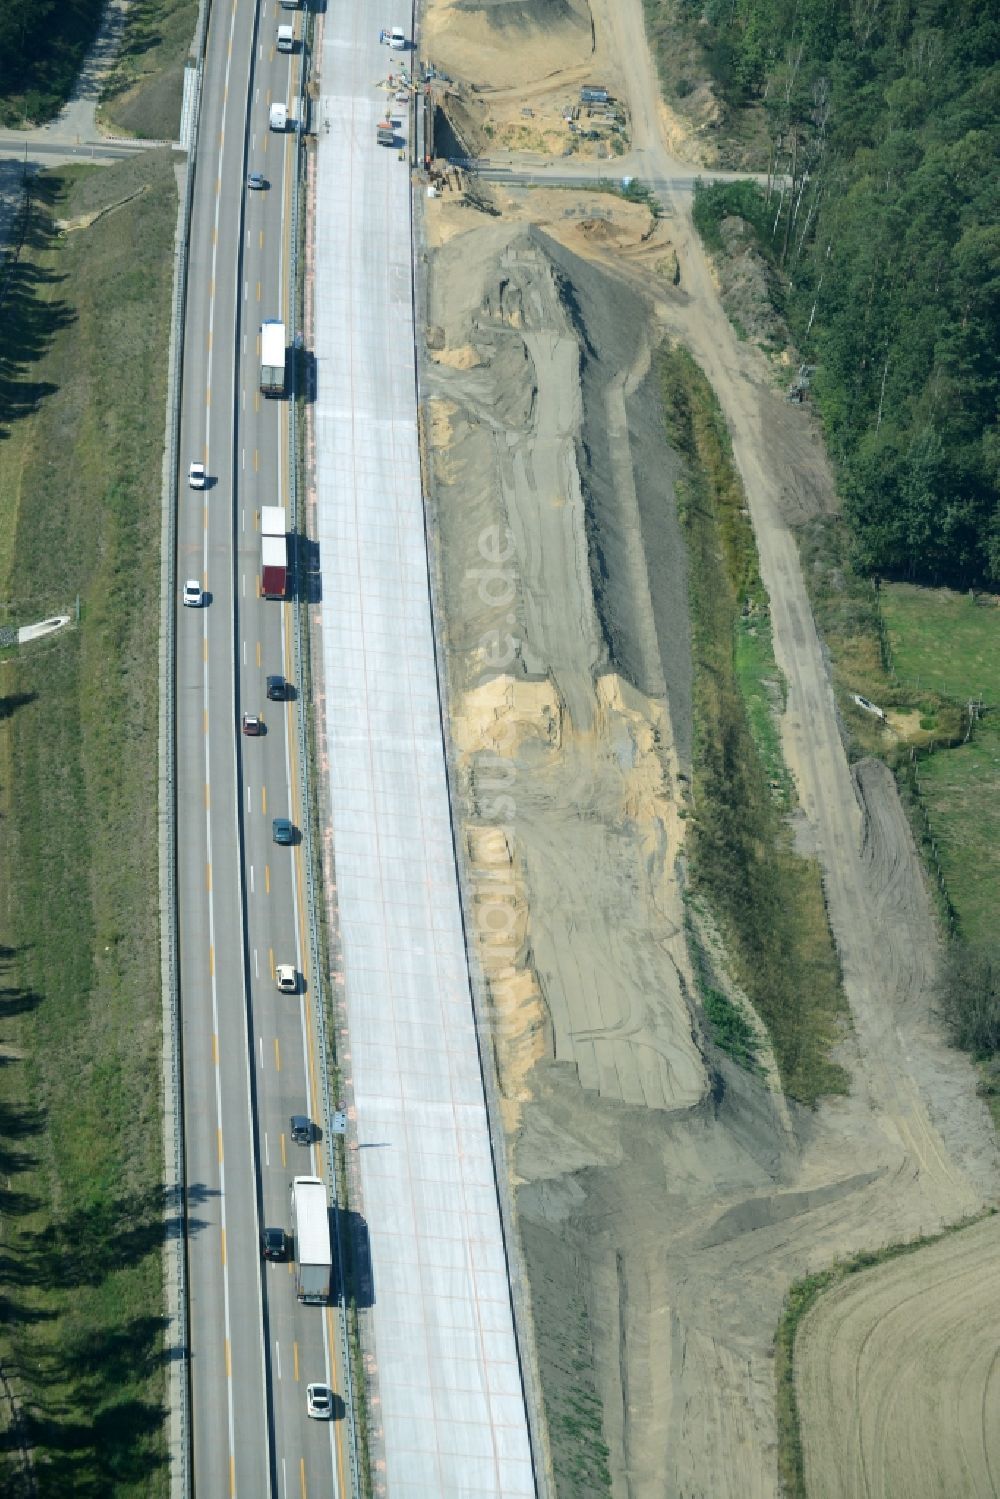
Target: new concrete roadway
(451, 1408)
(249, 1055)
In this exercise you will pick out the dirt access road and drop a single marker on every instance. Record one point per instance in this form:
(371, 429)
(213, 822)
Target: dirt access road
(661, 1227)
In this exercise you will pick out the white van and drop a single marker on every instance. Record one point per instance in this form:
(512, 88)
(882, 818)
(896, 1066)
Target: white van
(279, 116)
(397, 37)
(286, 38)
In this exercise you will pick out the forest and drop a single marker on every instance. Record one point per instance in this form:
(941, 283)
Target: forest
(883, 128)
(42, 44)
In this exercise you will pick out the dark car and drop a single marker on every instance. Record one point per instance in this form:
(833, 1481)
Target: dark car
(282, 830)
(277, 689)
(253, 725)
(301, 1129)
(275, 1243)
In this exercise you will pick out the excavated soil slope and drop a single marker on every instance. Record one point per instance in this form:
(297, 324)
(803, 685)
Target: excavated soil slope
(665, 1200)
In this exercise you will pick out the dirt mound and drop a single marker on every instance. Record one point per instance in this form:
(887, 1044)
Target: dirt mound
(507, 43)
(566, 743)
(541, 15)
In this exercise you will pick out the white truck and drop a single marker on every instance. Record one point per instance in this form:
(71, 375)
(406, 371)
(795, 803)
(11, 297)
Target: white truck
(272, 357)
(311, 1227)
(273, 559)
(279, 117)
(286, 38)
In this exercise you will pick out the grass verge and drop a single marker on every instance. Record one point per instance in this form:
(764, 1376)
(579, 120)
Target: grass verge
(142, 93)
(801, 1297)
(768, 900)
(82, 397)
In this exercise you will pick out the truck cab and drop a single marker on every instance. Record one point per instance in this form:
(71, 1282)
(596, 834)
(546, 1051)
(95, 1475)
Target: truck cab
(286, 38)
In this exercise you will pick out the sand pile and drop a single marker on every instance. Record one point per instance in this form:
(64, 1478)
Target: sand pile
(509, 42)
(566, 747)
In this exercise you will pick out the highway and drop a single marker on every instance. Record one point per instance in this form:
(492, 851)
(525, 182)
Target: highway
(248, 1051)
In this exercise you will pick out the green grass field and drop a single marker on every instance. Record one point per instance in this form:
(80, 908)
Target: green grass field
(82, 402)
(944, 643)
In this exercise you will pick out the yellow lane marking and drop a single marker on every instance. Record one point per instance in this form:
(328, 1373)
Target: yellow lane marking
(208, 876)
(270, 959)
(215, 235)
(232, 1475)
(261, 241)
(267, 879)
(302, 1477)
(256, 460)
(210, 343)
(277, 1056)
(211, 961)
(263, 801)
(229, 1361)
(215, 1048)
(204, 517)
(208, 395)
(258, 653)
(295, 1358)
(219, 1134)
(218, 186)
(208, 795)
(204, 650)
(204, 725)
(258, 291)
(283, 1162)
(223, 1246)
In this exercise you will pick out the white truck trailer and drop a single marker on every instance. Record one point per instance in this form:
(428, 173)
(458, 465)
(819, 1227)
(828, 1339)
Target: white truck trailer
(272, 357)
(311, 1227)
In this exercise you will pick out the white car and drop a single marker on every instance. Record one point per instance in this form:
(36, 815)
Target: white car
(397, 37)
(193, 596)
(319, 1401)
(197, 477)
(285, 978)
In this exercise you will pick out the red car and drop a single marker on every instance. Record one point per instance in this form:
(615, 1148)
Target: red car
(253, 725)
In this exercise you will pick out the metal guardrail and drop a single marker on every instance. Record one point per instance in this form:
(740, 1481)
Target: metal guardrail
(182, 1480)
(313, 895)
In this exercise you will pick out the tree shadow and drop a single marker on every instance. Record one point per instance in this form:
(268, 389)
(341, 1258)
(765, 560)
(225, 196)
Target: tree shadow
(14, 700)
(29, 318)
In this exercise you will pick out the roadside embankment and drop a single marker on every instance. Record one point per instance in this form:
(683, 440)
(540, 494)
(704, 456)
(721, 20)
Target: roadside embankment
(82, 393)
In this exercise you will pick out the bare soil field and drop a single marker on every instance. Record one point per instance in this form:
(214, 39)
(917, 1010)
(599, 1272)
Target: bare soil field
(918, 1337)
(665, 1198)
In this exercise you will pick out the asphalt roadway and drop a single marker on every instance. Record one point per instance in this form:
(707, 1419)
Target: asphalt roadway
(248, 1050)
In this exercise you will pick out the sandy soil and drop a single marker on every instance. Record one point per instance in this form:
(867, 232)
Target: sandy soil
(665, 1200)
